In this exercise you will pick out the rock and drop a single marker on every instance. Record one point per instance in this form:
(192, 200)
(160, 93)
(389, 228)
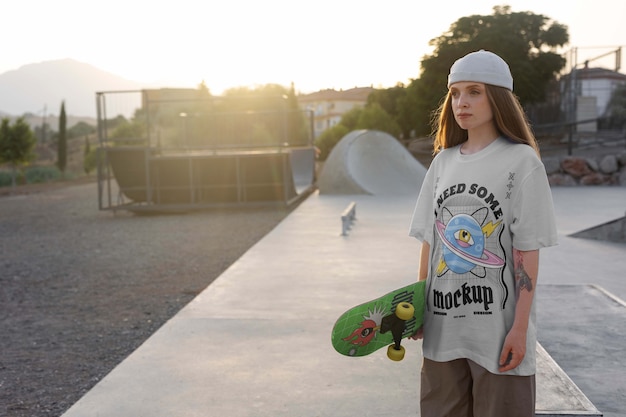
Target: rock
(563, 180)
(621, 158)
(593, 164)
(595, 178)
(576, 167)
(609, 164)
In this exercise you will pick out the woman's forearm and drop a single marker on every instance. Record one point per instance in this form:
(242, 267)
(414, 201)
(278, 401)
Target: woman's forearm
(422, 272)
(526, 264)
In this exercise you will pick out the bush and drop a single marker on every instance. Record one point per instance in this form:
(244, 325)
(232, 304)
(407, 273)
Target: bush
(35, 175)
(372, 117)
(5, 178)
(329, 138)
(91, 161)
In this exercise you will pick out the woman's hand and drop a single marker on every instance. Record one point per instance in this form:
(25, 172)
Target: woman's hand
(513, 351)
(419, 334)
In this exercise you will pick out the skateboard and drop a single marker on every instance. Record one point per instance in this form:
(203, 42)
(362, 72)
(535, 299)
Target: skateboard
(381, 322)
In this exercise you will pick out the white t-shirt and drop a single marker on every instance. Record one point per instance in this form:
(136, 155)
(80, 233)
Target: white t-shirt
(472, 210)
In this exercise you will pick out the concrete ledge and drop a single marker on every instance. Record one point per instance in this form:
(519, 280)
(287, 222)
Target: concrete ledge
(612, 231)
(557, 395)
(582, 327)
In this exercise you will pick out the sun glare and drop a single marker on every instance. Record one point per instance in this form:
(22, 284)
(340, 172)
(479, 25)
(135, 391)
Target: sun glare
(328, 44)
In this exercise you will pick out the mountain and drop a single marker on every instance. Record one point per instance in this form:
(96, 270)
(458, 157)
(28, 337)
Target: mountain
(31, 87)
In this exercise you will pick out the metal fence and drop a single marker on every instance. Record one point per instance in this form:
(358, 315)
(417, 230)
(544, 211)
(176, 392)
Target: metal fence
(144, 134)
(168, 122)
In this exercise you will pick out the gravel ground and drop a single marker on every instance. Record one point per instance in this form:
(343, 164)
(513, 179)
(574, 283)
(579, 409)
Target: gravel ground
(81, 289)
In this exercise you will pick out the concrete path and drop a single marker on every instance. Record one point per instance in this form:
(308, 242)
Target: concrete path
(256, 341)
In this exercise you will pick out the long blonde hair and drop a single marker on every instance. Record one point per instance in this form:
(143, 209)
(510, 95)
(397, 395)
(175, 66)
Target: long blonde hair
(508, 116)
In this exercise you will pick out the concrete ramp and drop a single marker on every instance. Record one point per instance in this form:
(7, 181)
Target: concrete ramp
(150, 180)
(612, 231)
(302, 169)
(371, 162)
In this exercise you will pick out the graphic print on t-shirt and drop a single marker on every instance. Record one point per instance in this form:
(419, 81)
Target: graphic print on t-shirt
(469, 255)
(463, 237)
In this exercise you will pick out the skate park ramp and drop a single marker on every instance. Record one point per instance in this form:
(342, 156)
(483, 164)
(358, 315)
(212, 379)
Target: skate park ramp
(302, 169)
(150, 180)
(612, 231)
(370, 162)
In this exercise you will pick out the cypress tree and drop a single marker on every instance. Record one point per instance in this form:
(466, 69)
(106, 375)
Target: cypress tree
(62, 142)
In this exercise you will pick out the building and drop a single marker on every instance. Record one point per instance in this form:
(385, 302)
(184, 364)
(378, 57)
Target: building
(593, 88)
(328, 106)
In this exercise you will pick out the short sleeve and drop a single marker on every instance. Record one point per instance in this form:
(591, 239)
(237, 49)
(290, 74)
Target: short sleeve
(424, 212)
(534, 224)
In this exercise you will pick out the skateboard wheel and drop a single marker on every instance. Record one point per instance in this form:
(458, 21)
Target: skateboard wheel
(405, 311)
(395, 354)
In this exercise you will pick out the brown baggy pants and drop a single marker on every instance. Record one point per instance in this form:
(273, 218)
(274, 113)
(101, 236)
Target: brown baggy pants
(462, 388)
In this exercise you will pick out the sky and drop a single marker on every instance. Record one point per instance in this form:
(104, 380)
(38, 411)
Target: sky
(316, 45)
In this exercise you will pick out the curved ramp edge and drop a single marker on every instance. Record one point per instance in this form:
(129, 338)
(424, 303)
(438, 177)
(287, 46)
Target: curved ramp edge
(302, 163)
(370, 162)
(197, 179)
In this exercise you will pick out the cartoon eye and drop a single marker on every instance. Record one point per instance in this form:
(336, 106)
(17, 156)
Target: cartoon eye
(464, 236)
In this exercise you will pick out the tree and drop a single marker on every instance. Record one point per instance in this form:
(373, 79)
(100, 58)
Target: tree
(372, 117)
(90, 157)
(350, 119)
(16, 144)
(127, 132)
(62, 141)
(266, 97)
(80, 129)
(396, 104)
(329, 138)
(527, 41)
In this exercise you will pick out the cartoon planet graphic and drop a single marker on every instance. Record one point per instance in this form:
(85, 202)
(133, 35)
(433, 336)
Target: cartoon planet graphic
(464, 245)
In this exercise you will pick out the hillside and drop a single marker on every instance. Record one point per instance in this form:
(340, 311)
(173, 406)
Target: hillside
(32, 87)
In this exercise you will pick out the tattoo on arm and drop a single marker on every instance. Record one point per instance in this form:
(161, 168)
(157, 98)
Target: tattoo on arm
(522, 279)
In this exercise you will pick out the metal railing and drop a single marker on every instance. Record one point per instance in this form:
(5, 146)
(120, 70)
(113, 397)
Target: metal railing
(145, 127)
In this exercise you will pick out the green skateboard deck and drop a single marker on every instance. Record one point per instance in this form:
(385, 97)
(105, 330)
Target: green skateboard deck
(375, 324)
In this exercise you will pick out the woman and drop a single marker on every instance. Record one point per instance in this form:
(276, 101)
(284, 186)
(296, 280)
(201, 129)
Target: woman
(483, 213)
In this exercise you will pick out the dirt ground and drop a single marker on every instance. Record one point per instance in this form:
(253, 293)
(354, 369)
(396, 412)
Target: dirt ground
(80, 289)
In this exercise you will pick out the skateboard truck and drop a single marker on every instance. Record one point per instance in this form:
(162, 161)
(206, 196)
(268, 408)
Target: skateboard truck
(395, 323)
